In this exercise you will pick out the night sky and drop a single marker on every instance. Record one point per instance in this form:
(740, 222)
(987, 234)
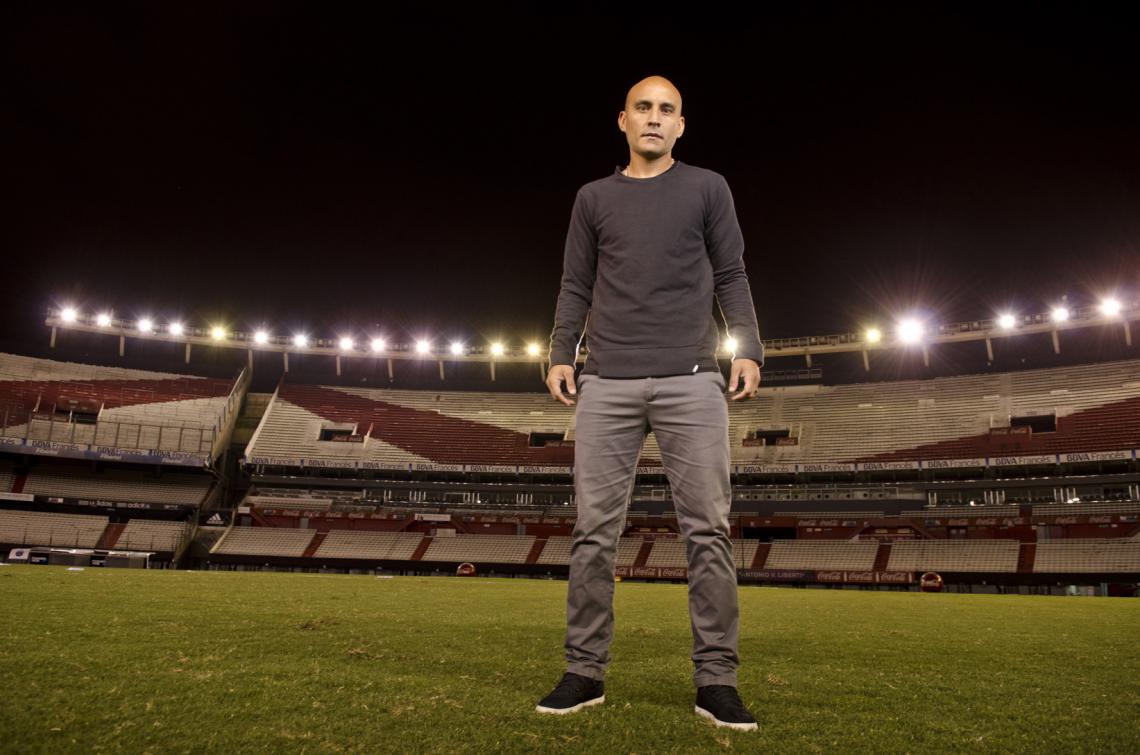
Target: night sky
(305, 168)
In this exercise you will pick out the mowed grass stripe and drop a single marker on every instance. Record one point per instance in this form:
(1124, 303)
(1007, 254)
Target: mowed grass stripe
(149, 661)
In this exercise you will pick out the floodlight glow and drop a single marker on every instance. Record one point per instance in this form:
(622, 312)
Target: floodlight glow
(730, 344)
(456, 347)
(103, 319)
(874, 335)
(377, 344)
(261, 337)
(1007, 321)
(1110, 307)
(1060, 314)
(146, 325)
(910, 331)
(422, 346)
(69, 314)
(497, 349)
(346, 343)
(217, 332)
(300, 340)
(532, 349)
(175, 328)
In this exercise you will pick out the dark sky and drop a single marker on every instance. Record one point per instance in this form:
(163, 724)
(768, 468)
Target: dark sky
(306, 167)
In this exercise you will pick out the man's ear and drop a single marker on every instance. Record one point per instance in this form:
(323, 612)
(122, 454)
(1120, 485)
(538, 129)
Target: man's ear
(680, 126)
(621, 121)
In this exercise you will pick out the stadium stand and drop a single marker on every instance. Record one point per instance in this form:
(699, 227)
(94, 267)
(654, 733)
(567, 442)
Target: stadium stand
(1095, 408)
(153, 535)
(112, 407)
(816, 554)
(492, 549)
(672, 553)
(6, 476)
(399, 546)
(557, 550)
(963, 511)
(955, 555)
(1062, 509)
(833, 512)
(43, 528)
(117, 485)
(264, 541)
(1081, 555)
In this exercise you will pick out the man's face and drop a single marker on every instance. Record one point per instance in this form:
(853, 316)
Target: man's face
(652, 118)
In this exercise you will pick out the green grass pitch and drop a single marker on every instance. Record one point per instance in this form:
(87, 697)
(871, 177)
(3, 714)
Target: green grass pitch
(107, 660)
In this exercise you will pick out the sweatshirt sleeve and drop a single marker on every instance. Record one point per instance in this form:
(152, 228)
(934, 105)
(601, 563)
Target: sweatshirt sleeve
(579, 271)
(725, 245)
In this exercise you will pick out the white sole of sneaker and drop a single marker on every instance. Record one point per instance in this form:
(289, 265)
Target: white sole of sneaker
(563, 711)
(739, 727)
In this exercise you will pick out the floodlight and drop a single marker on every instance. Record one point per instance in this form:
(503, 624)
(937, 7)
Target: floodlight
(456, 347)
(532, 349)
(730, 344)
(261, 337)
(217, 332)
(497, 349)
(423, 346)
(377, 344)
(175, 328)
(300, 340)
(910, 330)
(874, 335)
(1110, 307)
(1060, 314)
(1007, 321)
(69, 314)
(103, 319)
(146, 325)
(346, 343)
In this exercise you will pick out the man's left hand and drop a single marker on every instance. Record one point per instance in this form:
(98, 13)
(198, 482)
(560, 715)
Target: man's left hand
(750, 372)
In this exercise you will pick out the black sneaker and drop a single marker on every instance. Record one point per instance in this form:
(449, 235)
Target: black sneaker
(722, 705)
(573, 692)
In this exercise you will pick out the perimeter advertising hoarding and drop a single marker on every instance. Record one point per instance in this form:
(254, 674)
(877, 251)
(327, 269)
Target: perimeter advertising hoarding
(777, 575)
(102, 453)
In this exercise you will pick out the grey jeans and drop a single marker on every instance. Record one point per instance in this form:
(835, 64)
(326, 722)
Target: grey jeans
(689, 417)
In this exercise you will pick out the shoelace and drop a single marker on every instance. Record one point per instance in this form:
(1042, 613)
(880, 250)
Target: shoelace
(574, 683)
(726, 695)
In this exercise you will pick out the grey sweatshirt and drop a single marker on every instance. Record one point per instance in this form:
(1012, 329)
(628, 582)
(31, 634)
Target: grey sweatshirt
(644, 258)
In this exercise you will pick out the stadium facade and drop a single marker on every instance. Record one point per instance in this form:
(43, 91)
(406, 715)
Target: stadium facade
(997, 480)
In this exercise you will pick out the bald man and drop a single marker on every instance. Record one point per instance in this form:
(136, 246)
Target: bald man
(647, 250)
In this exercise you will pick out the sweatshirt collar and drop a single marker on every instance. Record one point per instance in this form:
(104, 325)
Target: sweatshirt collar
(629, 179)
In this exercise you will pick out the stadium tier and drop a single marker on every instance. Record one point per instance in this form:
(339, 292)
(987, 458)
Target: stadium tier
(42, 528)
(152, 535)
(86, 411)
(6, 476)
(955, 556)
(802, 559)
(116, 485)
(66, 531)
(1088, 555)
(557, 550)
(1035, 416)
(492, 549)
(264, 541)
(815, 554)
(354, 544)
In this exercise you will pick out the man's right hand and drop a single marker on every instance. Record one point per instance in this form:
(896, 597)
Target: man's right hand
(554, 378)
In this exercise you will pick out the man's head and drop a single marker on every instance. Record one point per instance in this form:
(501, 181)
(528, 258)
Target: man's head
(652, 120)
